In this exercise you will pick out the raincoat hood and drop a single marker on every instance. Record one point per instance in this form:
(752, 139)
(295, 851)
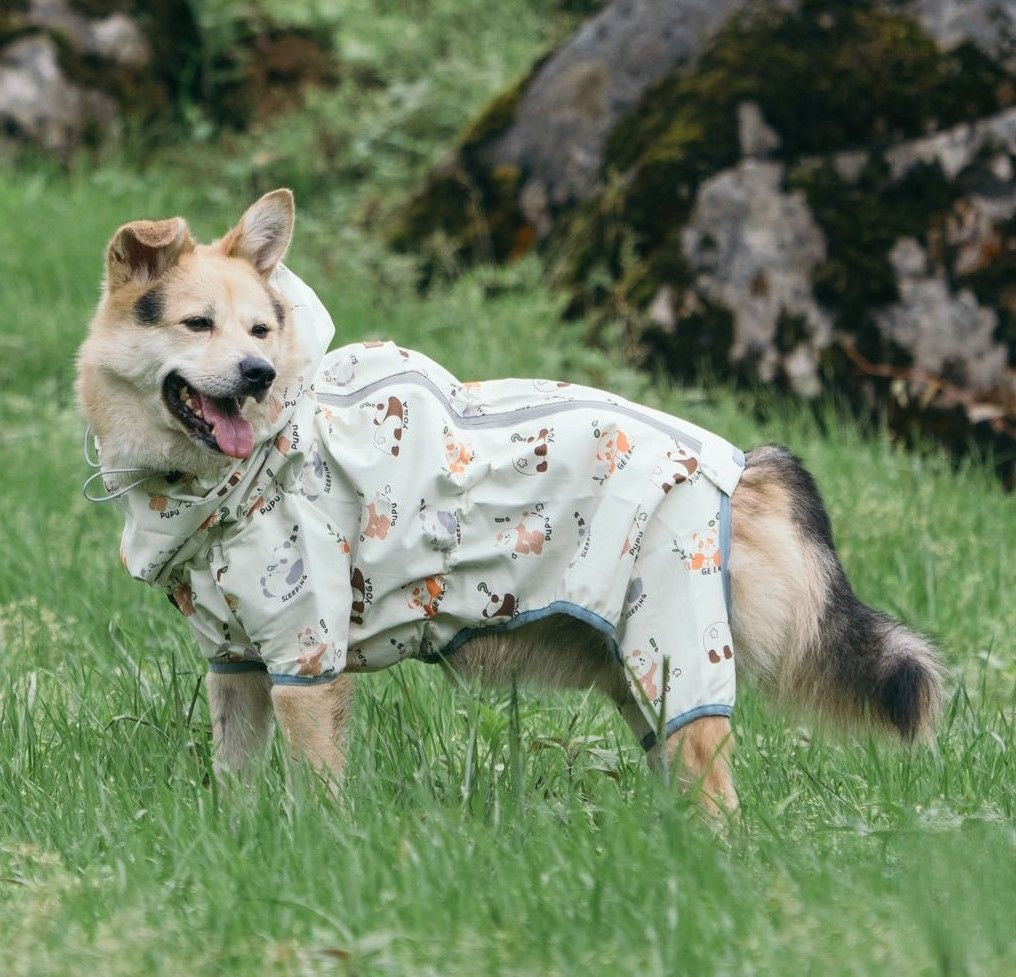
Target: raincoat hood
(166, 516)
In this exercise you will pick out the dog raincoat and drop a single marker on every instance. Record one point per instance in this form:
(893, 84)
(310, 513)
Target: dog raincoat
(397, 512)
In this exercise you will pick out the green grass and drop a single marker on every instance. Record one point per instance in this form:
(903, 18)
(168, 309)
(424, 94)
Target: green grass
(475, 835)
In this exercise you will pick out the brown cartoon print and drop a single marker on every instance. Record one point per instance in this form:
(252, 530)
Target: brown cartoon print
(214, 518)
(498, 605)
(458, 453)
(550, 386)
(312, 651)
(643, 669)
(182, 598)
(676, 467)
(531, 451)
(363, 595)
(613, 449)
(379, 515)
(390, 421)
(166, 507)
(524, 536)
(425, 595)
(718, 642)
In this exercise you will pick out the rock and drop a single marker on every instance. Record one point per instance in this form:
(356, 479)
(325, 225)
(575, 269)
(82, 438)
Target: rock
(114, 38)
(754, 249)
(799, 193)
(38, 103)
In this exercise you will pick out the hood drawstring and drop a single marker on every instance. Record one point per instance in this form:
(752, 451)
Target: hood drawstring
(93, 462)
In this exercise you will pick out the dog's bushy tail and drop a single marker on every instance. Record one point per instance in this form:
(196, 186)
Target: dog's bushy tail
(797, 621)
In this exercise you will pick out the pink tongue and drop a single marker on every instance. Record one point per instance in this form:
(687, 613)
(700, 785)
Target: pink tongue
(233, 433)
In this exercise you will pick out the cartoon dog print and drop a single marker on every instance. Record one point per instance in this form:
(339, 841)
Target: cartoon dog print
(718, 642)
(167, 507)
(498, 605)
(458, 453)
(643, 669)
(341, 372)
(531, 453)
(425, 595)
(465, 399)
(284, 573)
(676, 467)
(379, 515)
(526, 537)
(313, 650)
(613, 449)
(390, 421)
(550, 386)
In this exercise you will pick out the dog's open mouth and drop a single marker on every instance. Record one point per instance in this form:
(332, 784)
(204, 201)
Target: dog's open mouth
(214, 421)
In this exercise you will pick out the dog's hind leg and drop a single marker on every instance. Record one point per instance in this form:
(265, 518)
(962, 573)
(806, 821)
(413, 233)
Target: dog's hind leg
(314, 720)
(699, 754)
(241, 709)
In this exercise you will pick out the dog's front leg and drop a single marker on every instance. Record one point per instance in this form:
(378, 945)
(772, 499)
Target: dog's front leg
(314, 720)
(241, 708)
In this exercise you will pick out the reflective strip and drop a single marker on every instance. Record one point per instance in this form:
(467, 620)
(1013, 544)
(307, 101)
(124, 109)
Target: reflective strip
(511, 417)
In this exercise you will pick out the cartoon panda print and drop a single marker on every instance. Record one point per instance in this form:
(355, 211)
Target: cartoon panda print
(284, 572)
(532, 450)
(362, 595)
(677, 466)
(390, 421)
(718, 642)
(315, 477)
(704, 556)
(498, 605)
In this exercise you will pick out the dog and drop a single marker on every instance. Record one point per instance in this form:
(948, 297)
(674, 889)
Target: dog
(230, 441)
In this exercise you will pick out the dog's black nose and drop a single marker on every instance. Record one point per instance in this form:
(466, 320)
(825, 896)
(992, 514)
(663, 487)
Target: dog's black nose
(258, 373)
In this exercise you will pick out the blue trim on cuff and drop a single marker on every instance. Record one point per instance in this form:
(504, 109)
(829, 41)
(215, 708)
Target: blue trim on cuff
(304, 679)
(712, 709)
(227, 668)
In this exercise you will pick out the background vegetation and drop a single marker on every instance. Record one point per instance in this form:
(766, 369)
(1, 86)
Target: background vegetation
(478, 833)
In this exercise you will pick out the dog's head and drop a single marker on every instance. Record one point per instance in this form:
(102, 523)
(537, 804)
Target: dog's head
(190, 344)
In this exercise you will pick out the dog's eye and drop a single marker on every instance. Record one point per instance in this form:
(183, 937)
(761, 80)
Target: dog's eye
(199, 323)
(259, 330)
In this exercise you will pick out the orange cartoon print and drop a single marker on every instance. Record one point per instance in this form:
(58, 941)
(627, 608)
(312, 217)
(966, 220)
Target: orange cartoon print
(705, 550)
(643, 668)
(458, 453)
(379, 515)
(613, 449)
(313, 649)
(425, 595)
(526, 537)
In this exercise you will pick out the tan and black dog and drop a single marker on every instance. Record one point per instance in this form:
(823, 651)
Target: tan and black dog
(177, 374)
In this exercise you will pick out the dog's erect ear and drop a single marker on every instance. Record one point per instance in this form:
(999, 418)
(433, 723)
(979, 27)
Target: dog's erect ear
(263, 234)
(143, 250)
